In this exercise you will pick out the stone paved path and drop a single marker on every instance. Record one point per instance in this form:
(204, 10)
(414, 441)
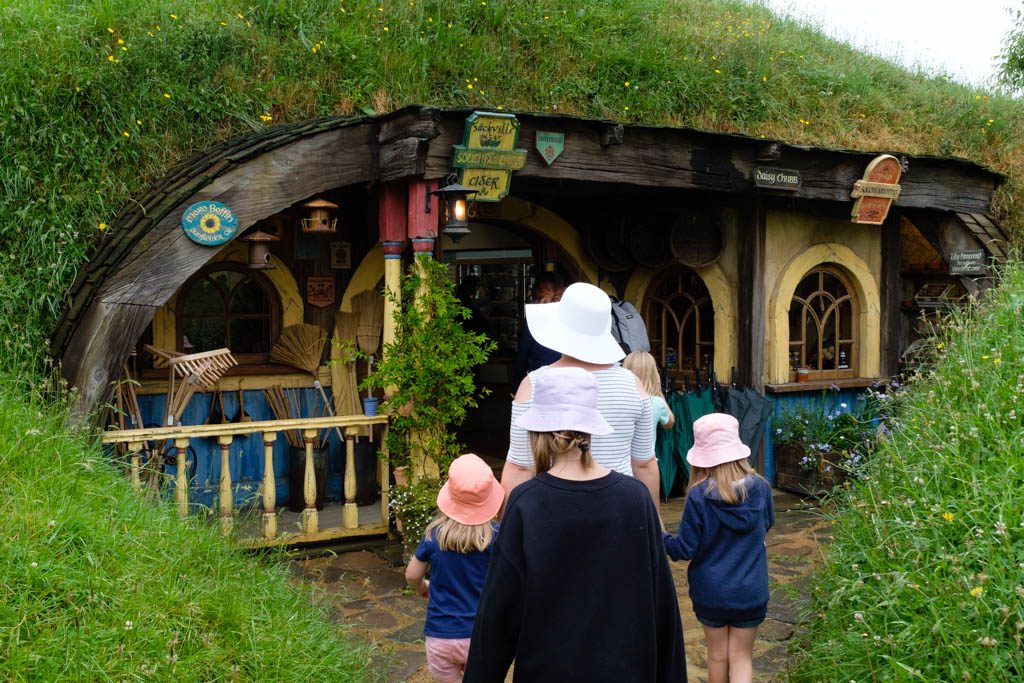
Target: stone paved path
(365, 590)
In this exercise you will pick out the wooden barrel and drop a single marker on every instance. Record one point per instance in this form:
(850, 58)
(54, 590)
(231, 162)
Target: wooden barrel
(696, 237)
(649, 242)
(596, 244)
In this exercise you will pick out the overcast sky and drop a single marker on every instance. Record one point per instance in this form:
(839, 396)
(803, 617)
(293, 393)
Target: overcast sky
(962, 38)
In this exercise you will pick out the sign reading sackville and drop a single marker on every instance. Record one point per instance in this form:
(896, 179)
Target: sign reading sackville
(777, 178)
(488, 155)
(209, 223)
(877, 191)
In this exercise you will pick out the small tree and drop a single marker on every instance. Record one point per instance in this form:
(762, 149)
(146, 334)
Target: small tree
(427, 372)
(1011, 71)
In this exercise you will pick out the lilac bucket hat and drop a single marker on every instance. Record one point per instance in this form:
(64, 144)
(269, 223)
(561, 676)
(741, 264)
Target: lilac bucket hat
(716, 440)
(564, 399)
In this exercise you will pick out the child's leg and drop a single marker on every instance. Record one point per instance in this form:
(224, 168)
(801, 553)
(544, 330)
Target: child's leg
(718, 653)
(741, 654)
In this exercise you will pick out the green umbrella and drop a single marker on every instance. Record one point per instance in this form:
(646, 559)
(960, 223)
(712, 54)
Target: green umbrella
(683, 430)
(664, 449)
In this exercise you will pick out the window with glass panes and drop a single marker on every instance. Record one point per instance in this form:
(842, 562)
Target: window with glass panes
(822, 330)
(228, 306)
(680, 322)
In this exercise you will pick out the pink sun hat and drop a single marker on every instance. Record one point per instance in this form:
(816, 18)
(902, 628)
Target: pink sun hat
(716, 440)
(471, 495)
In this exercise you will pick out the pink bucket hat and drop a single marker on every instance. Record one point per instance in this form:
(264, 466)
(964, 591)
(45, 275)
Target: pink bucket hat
(471, 495)
(716, 440)
(564, 399)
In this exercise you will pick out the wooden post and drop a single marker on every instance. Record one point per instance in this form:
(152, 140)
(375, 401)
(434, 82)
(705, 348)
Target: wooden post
(351, 513)
(225, 495)
(181, 478)
(892, 316)
(384, 460)
(269, 487)
(135, 455)
(310, 518)
(392, 220)
(752, 302)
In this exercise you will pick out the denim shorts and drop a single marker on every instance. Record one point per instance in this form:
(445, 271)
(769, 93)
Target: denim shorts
(735, 623)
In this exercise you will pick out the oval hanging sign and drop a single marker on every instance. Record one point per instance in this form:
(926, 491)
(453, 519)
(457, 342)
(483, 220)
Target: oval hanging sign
(209, 223)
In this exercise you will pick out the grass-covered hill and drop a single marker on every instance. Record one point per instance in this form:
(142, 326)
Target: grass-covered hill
(99, 98)
(925, 576)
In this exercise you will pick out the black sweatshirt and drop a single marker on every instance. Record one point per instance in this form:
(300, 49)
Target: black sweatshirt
(578, 588)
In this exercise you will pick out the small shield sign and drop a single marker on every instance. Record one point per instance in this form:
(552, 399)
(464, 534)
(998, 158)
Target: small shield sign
(550, 145)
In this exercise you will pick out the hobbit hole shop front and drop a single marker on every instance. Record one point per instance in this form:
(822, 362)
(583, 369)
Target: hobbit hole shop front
(782, 270)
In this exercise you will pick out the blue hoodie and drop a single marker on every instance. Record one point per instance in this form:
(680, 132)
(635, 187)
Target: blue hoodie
(724, 542)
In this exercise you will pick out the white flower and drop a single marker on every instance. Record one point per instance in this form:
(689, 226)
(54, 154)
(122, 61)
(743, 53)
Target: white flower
(34, 564)
(128, 626)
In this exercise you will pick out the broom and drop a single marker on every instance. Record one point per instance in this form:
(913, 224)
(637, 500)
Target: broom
(346, 327)
(301, 346)
(370, 305)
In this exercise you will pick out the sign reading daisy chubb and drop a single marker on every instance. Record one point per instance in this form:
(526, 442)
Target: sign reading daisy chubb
(488, 154)
(209, 223)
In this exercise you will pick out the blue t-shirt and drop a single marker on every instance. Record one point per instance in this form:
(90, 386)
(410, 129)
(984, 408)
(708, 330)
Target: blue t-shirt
(456, 581)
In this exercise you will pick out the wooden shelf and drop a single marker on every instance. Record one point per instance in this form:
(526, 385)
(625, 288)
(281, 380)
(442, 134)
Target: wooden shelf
(821, 385)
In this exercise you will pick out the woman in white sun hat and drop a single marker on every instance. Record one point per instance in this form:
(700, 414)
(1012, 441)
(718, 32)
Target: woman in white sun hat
(578, 587)
(579, 328)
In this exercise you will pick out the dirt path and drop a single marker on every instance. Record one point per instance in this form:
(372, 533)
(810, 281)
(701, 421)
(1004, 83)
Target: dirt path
(366, 591)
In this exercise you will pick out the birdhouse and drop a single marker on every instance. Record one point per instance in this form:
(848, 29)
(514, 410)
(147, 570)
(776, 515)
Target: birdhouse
(320, 216)
(259, 249)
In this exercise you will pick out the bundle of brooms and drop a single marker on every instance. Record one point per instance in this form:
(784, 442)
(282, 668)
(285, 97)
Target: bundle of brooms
(300, 346)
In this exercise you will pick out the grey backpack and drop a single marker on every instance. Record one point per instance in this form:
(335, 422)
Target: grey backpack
(628, 327)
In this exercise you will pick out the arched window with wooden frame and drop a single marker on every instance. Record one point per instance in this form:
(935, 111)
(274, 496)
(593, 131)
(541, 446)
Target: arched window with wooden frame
(680, 322)
(822, 325)
(228, 305)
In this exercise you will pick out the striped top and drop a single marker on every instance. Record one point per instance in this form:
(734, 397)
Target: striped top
(620, 403)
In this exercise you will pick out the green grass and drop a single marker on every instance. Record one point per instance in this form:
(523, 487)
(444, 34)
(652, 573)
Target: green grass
(925, 577)
(98, 584)
(98, 98)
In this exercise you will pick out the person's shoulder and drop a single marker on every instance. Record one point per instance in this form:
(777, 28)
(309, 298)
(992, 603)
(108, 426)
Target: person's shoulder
(629, 485)
(524, 491)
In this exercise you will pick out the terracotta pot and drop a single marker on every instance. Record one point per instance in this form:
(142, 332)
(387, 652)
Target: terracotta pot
(401, 475)
(802, 374)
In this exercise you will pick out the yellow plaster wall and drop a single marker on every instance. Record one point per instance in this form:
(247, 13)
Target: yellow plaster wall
(796, 243)
(280, 277)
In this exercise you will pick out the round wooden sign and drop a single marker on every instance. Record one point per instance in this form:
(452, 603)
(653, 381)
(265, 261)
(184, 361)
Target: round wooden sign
(696, 239)
(209, 223)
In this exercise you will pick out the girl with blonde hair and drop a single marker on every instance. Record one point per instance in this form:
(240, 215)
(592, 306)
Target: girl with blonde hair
(456, 546)
(727, 513)
(643, 365)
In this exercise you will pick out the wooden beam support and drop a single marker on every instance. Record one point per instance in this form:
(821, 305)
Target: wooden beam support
(350, 515)
(225, 493)
(892, 316)
(269, 487)
(310, 516)
(752, 299)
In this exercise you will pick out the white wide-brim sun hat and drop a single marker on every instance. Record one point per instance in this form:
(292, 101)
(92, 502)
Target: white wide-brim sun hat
(580, 325)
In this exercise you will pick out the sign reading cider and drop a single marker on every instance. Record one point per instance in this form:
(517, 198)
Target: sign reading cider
(488, 155)
(877, 191)
(209, 223)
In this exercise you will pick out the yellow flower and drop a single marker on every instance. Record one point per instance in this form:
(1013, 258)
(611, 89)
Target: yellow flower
(948, 516)
(997, 361)
(626, 84)
(102, 226)
(977, 591)
(977, 97)
(110, 58)
(120, 41)
(266, 117)
(625, 109)
(764, 78)
(984, 357)
(469, 85)
(126, 133)
(138, 122)
(718, 71)
(174, 16)
(110, 30)
(500, 107)
(386, 28)
(167, 95)
(939, 347)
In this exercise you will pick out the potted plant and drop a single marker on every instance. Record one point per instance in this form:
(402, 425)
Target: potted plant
(426, 376)
(821, 443)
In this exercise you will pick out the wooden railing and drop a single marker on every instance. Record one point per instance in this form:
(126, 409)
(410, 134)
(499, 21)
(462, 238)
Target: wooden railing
(348, 425)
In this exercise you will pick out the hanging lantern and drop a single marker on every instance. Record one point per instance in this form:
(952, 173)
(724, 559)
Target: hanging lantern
(320, 216)
(259, 249)
(456, 202)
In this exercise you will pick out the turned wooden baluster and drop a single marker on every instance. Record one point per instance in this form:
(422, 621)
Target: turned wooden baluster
(226, 496)
(269, 487)
(135, 454)
(310, 519)
(350, 518)
(181, 477)
(385, 477)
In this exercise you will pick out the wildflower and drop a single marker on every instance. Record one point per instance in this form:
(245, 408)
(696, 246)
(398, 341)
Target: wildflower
(948, 516)
(1000, 528)
(34, 565)
(977, 592)
(52, 523)
(128, 625)
(120, 41)
(626, 84)
(986, 641)
(386, 29)
(997, 361)
(126, 133)
(266, 118)
(110, 30)
(173, 16)
(167, 95)
(110, 58)
(857, 616)
(625, 109)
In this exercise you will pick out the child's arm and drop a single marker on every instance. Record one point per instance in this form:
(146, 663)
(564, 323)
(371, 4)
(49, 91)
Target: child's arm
(685, 544)
(415, 576)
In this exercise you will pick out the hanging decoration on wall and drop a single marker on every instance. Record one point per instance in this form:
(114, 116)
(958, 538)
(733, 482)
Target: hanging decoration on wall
(488, 155)
(259, 249)
(209, 223)
(877, 191)
(320, 291)
(341, 255)
(320, 216)
(550, 145)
